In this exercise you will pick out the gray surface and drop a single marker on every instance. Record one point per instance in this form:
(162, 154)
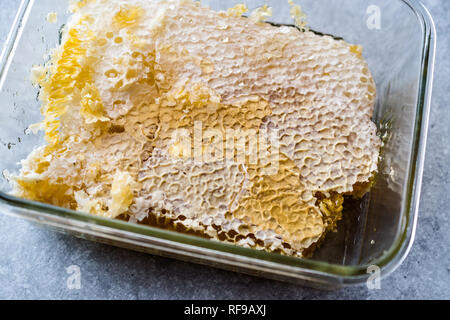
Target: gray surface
(33, 261)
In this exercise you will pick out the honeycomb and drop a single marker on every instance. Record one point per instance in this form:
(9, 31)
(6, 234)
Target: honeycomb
(140, 95)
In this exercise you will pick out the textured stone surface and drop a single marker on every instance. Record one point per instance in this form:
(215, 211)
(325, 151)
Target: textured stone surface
(33, 261)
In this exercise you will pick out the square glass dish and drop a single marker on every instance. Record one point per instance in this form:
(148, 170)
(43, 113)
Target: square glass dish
(398, 37)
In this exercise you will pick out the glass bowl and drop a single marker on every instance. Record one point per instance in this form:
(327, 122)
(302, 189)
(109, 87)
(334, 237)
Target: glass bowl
(398, 37)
